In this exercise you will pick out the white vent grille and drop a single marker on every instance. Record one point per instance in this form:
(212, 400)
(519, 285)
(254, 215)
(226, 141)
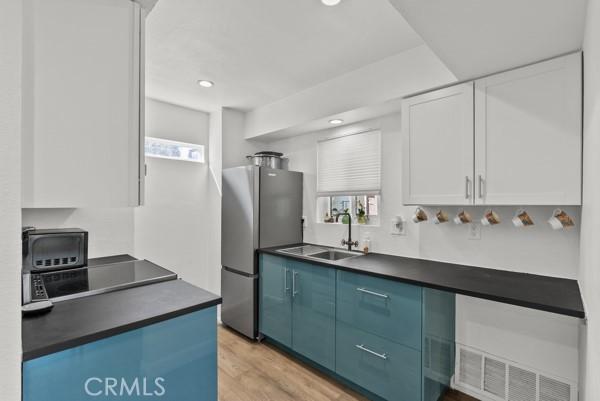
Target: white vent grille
(522, 384)
(470, 368)
(489, 377)
(494, 379)
(554, 390)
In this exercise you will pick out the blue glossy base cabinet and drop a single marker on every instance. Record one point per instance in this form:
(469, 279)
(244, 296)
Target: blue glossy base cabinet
(174, 360)
(297, 307)
(394, 341)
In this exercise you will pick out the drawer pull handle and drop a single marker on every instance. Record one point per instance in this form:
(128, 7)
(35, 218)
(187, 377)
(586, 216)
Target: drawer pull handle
(285, 280)
(294, 292)
(377, 354)
(372, 293)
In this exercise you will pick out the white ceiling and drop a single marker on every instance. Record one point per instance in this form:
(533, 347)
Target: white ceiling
(260, 51)
(478, 37)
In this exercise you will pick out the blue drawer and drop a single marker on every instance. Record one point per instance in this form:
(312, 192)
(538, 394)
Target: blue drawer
(383, 367)
(386, 308)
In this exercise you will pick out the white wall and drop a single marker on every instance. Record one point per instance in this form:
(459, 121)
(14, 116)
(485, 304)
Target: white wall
(235, 148)
(589, 273)
(10, 199)
(511, 332)
(175, 228)
(110, 230)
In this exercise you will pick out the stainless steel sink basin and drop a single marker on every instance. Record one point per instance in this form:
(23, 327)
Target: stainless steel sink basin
(333, 254)
(319, 252)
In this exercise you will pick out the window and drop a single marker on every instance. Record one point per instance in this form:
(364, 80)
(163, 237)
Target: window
(167, 149)
(350, 165)
(349, 178)
(362, 208)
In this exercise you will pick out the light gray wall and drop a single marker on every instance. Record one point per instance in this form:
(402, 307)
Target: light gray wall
(10, 200)
(110, 229)
(537, 339)
(175, 227)
(589, 273)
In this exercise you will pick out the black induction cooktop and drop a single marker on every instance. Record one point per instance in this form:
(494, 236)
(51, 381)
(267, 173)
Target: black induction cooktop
(86, 281)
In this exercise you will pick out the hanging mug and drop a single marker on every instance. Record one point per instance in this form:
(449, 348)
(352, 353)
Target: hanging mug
(490, 218)
(440, 217)
(522, 219)
(419, 215)
(560, 219)
(462, 218)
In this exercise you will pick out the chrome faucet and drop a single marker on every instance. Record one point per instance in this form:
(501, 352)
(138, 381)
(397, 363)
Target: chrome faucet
(349, 242)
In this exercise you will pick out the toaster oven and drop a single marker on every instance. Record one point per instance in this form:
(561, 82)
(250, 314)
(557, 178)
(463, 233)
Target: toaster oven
(54, 249)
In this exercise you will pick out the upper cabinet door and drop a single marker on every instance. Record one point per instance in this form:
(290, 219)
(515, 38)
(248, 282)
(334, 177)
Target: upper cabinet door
(82, 114)
(437, 129)
(528, 135)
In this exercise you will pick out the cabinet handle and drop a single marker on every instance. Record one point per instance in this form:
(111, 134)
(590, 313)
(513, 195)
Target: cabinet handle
(372, 293)
(467, 187)
(377, 354)
(481, 183)
(294, 292)
(285, 282)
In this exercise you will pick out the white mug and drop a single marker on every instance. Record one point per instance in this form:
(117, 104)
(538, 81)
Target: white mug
(490, 218)
(560, 219)
(522, 219)
(462, 218)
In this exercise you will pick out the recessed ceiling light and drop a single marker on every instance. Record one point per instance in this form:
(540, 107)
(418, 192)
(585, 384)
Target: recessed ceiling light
(331, 2)
(205, 84)
(336, 121)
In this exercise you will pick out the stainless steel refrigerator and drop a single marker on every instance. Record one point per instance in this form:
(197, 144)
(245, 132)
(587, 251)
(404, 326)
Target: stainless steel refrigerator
(261, 207)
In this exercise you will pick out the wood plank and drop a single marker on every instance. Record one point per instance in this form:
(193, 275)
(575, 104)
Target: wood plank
(252, 371)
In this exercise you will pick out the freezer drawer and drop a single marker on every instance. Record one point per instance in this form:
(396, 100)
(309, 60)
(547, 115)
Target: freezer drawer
(239, 309)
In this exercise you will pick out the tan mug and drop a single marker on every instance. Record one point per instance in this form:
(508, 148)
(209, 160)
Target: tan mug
(440, 217)
(560, 219)
(419, 216)
(462, 218)
(490, 218)
(522, 219)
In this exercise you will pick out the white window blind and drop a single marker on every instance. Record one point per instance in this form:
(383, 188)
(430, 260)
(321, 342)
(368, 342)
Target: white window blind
(350, 165)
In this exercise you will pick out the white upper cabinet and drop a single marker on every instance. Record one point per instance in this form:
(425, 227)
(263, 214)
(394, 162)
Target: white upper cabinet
(438, 147)
(82, 103)
(516, 141)
(528, 135)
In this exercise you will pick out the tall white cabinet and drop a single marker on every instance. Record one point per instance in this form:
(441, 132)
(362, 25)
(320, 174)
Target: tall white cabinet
(522, 147)
(83, 103)
(438, 163)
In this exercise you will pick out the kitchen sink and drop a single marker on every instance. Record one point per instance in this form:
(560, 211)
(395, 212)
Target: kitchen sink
(333, 254)
(321, 253)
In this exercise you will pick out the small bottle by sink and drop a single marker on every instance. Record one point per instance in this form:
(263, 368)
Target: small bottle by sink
(366, 244)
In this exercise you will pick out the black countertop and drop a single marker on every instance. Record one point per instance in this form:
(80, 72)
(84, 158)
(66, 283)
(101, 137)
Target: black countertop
(545, 293)
(84, 320)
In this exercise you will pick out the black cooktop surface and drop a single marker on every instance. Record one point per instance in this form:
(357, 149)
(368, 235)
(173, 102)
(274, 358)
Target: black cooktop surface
(75, 283)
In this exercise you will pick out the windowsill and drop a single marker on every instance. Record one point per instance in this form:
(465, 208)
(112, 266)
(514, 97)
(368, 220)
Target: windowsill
(353, 224)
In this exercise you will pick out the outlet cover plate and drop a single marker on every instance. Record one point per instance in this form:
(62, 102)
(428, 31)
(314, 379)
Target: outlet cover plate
(474, 231)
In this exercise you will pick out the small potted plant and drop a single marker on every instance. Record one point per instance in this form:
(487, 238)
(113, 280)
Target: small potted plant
(361, 214)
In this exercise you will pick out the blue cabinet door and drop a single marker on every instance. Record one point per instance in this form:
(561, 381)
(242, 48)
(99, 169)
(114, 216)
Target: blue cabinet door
(275, 303)
(174, 360)
(313, 312)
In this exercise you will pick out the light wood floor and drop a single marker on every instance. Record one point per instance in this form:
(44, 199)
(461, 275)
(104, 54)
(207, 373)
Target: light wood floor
(249, 371)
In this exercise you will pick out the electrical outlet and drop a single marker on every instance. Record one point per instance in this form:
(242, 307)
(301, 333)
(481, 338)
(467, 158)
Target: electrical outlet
(398, 226)
(474, 231)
